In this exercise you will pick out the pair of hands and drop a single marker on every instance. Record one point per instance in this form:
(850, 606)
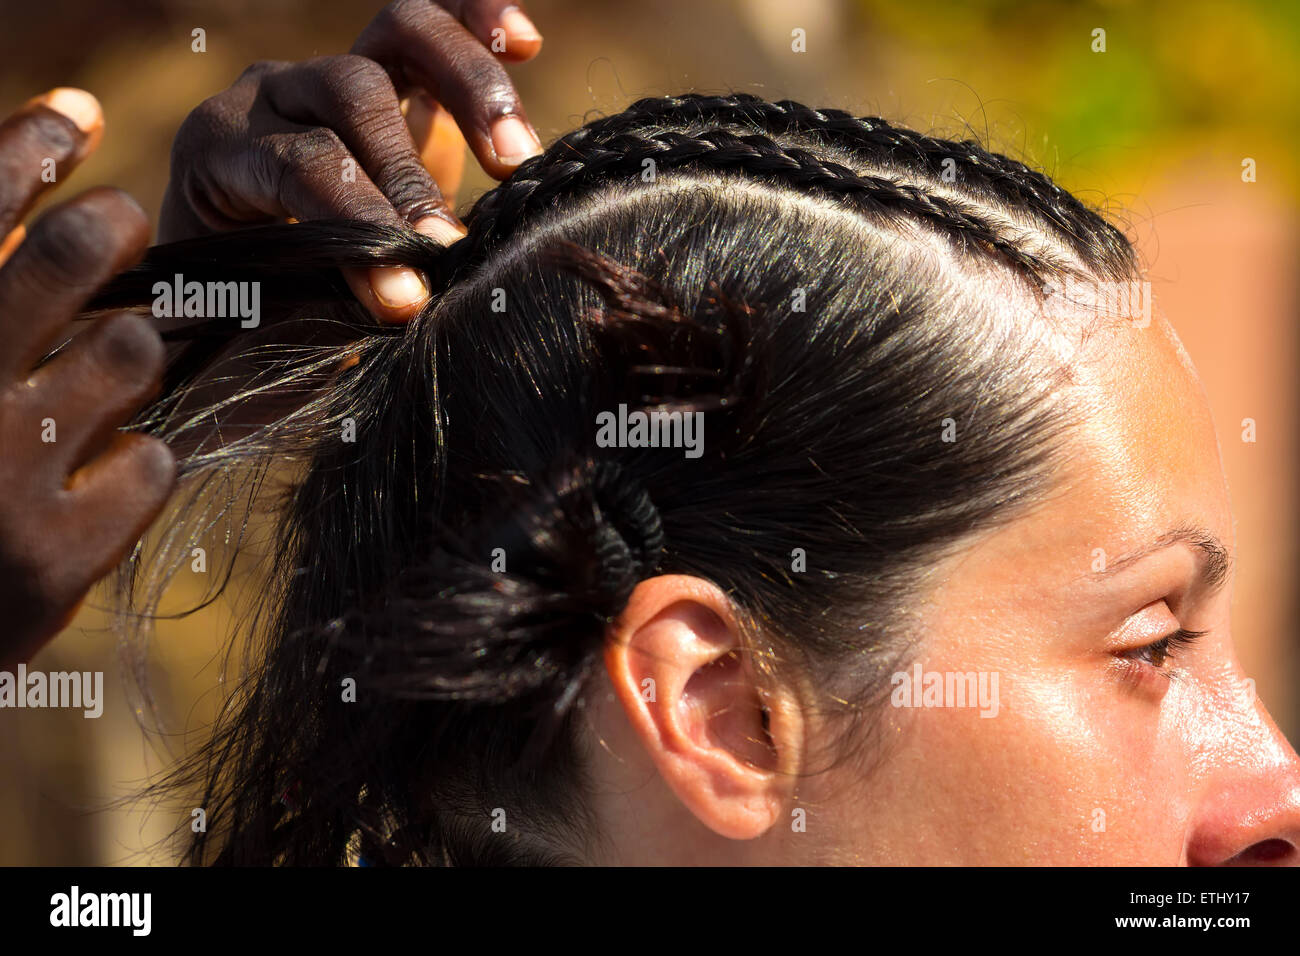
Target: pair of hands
(325, 138)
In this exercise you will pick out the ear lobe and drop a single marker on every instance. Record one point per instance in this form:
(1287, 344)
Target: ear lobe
(724, 738)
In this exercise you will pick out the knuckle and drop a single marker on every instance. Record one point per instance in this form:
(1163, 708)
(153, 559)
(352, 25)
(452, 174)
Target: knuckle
(268, 168)
(310, 149)
(393, 22)
(349, 74)
(256, 71)
(416, 209)
(387, 138)
(356, 205)
(307, 177)
(205, 125)
(358, 91)
(401, 10)
(208, 116)
(407, 183)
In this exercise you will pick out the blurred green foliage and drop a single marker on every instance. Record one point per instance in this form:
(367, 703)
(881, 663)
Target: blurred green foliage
(1215, 72)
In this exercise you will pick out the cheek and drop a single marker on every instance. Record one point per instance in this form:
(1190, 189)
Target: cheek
(1070, 770)
(1111, 780)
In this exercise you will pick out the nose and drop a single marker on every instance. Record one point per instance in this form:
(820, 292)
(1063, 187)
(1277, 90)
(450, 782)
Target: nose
(1250, 815)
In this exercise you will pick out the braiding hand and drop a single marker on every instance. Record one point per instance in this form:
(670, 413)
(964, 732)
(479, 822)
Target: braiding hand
(327, 137)
(75, 492)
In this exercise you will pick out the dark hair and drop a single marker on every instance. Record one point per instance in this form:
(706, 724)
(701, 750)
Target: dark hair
(817, 285)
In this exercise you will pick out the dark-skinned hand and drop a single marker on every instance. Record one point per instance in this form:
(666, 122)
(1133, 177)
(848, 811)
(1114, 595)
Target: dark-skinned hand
(327, 137)
(75, 492)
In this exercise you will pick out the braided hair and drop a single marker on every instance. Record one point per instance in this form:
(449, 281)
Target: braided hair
(799, 278)
(785, 143)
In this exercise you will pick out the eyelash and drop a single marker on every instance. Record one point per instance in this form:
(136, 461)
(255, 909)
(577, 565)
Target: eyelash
(1165, 649)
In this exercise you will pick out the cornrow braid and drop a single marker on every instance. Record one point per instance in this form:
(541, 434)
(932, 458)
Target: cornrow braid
(1009, 180)
(620, 145)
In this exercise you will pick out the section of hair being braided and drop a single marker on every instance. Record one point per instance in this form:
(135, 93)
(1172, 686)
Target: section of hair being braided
(688, 133)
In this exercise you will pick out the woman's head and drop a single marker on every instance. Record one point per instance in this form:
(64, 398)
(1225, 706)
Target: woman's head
(878, 592)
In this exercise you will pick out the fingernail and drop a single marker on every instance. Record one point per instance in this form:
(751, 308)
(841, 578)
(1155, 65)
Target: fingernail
(513, 141)
(77, 105)
(398, 287)
(439, 229)
(518, 26)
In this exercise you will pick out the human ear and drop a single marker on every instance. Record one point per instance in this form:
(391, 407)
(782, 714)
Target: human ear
(725, 737)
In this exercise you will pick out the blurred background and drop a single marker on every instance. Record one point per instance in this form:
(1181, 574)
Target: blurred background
(1155, 129)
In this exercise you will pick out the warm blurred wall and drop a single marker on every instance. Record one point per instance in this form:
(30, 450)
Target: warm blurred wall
(1155, 128)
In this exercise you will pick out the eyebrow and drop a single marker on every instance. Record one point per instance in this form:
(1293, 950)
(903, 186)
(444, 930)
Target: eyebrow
(1214, 561)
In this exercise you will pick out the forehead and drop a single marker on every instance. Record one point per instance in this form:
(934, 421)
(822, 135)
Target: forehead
(1145, 457)
(1141, 461)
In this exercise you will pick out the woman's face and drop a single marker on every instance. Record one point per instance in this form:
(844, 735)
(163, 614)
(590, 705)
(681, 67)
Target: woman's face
(1096, 748)
(1069, 733)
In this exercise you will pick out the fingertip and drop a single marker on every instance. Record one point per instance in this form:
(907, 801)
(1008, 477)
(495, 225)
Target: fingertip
(157, 461)
(81, 107)
(530, 47)
(393, 295)
(126, 218)
(77, 105)
(523, 41)
(398, 287)
(130, 348)
(116, 205)
(440, 230)
(150, 460)
(514, 141)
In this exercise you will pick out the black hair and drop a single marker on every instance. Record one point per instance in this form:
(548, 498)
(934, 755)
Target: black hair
(850, 306)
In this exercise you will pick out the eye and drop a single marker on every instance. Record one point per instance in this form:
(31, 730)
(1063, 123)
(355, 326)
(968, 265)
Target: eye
(1158, 654)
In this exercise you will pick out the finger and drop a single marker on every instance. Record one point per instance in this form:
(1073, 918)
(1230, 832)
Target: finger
(70, 252)
(40, 145)
(421, 44)
(290, 171)
(110, 503)
(96, 384)
(354, 97)
(300, 168)
(501, 25)
(440, 144)
(305, 173)
(392, 295)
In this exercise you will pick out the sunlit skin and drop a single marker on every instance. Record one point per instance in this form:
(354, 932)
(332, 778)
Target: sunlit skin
(1101, 752)
(1104, 749)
